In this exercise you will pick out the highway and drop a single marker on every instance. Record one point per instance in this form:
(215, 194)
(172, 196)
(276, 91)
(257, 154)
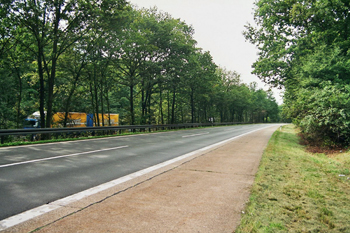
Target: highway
(31, 176)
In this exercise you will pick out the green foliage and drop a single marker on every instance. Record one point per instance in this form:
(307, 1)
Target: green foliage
(323, 113)
(105, 57)
(304, 48)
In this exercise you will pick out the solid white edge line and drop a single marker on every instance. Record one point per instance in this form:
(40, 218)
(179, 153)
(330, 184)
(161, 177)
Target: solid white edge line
(60, 156)
(30, 214)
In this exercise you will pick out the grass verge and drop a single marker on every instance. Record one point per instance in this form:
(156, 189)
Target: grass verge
(298, 191)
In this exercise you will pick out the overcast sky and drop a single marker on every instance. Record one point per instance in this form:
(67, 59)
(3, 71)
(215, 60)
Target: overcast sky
(218, 28)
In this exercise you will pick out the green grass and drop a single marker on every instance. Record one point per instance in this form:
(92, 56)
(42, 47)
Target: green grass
(297, 191)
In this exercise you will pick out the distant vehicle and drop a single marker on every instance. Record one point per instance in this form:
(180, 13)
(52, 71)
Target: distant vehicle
(74, 119)
(32, 121)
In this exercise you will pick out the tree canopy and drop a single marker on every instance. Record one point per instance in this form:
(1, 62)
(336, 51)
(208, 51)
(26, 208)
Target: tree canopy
(304, 47)
(108, 57)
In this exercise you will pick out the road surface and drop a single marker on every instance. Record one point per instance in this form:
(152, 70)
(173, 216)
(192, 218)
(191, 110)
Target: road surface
(31, 176)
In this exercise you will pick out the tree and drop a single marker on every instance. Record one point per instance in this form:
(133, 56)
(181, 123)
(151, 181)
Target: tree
(70, 72)
(52, 27)
(147, 44)
(229, 82)
(102, 57)
(304, 48)
(199, 78)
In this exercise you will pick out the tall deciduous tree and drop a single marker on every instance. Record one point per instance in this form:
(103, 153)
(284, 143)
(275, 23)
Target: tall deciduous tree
(52, 26)
(103, 57)
(304, 47)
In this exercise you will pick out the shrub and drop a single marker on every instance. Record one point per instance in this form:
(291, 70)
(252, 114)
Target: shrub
(324, 114)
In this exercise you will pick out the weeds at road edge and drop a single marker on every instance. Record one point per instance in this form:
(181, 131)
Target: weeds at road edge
(298, 191)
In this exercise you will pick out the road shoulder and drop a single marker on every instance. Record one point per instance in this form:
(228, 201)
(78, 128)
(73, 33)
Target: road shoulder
(205, 192)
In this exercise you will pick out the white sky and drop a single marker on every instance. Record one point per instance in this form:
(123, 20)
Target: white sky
(218, 28)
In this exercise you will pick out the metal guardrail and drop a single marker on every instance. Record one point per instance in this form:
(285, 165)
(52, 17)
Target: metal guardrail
(13, 132)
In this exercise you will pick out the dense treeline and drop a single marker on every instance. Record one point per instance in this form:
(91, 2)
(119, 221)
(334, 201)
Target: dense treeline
(304, 47)
(108, 57)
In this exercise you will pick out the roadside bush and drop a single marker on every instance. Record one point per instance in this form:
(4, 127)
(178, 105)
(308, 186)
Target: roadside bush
(324, 114)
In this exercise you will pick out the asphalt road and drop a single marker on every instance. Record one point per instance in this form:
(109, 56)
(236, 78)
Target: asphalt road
(31, 176)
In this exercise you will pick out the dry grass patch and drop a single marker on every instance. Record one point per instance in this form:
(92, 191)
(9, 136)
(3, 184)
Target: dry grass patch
(298, 191)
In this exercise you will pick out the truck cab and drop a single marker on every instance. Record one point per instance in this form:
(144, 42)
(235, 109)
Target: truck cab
(31, 123)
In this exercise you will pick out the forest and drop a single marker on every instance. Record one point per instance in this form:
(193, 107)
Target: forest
(108, 56)
(304, 48)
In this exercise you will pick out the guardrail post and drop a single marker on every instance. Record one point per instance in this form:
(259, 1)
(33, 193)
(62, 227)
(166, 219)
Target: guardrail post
(2, 139)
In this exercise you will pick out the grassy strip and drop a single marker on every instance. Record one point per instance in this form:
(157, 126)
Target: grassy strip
(297, 191)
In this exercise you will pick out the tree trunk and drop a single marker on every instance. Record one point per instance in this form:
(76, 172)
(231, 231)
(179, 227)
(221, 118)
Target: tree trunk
(19, 98)
(54, 56)
(101, 99)
(149, 106)
(108, 108)
(192, 106)
(173, 107)
(92, 102)
(232, 115)
(143, 103)
(96, 116)
(132, 114)
(42, 88)
(161, 106)
(168, 98)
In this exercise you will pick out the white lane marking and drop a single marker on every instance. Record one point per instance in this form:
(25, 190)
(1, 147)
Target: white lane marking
(194, 135)
(61, 156)
(235, 129)
(30, 214)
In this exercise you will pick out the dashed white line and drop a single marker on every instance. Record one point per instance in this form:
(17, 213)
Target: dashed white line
(194, 135)
(61, 156)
